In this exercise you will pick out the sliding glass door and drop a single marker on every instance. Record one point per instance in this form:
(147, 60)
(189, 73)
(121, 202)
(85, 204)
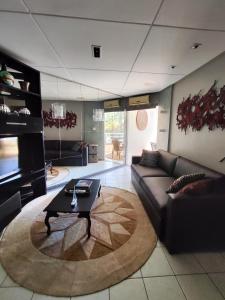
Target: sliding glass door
(115, 132)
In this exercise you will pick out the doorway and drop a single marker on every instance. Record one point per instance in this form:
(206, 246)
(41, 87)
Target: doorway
(114, 135)
(141, 137)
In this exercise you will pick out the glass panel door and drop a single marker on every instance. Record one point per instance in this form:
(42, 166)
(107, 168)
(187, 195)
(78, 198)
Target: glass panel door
(115, 136)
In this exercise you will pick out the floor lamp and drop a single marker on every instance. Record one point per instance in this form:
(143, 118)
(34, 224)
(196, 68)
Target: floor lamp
(59, 113)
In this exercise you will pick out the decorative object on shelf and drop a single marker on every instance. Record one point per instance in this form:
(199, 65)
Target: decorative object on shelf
(4, 109)
(5, 76)
(199, 110)
(24, 111)
(24, 85)
(98, 115)
(16, 113)
(69, 122)
(142, 119)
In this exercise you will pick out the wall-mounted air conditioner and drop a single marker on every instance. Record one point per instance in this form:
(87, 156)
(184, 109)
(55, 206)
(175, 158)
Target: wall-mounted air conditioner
(111, 104)
(139, 100)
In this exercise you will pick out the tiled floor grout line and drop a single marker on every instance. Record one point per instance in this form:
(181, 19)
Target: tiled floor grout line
(3, 280)
(175, 275)
(144, 284)
(215, 285)
(109, 292)
(32, 296)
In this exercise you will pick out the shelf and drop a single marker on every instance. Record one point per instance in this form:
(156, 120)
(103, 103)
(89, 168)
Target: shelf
(15, 92)
(13, 124)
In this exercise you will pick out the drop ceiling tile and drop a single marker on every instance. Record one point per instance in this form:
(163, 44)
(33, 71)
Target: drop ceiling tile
(54, 89)
(172, 46)
(21, 37)
(142, 11)
(51, 74)
(12, 5)
(139, 83)
(49, 90)
(207, 14)
(95, 95)
(111, 81)
(72, 39)
(69, 91)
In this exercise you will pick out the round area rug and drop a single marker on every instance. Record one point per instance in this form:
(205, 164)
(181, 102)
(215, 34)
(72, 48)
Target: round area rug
(67, 263)
(57, 175)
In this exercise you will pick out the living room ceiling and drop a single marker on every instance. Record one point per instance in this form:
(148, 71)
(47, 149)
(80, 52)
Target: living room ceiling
(140, 41)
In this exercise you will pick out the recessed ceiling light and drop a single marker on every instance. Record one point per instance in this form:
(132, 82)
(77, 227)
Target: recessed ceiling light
(196, 45)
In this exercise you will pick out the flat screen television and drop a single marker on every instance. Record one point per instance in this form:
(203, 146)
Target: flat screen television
(9, 157)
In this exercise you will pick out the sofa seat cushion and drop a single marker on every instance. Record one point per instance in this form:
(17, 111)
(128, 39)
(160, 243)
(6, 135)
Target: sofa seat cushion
(68, 153)
(156, 188)
(51, 154)
(143, 171)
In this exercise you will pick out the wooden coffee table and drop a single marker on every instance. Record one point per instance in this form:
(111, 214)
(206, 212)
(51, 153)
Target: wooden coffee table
(61, 204)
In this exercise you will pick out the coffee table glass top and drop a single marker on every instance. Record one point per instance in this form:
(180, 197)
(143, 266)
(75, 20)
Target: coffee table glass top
(62, 201)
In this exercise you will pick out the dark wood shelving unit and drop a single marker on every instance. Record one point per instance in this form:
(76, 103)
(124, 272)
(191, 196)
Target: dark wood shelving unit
(15, 92)
(29, 131)
(20, 124)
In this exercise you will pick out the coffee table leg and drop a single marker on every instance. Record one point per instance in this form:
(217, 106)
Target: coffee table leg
(48, 216)
(47, 223)
(99, 191)
(89, 226)
(86, 216)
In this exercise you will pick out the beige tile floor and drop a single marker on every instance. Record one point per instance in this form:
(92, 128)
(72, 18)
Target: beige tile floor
(196, 276)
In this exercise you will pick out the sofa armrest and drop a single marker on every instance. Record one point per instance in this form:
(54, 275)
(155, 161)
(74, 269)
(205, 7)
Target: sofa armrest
(195, 222)
(136, 159)
(84, 152)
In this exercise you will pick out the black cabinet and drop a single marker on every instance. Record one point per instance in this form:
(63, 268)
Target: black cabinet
(9, 208)
(29, 130)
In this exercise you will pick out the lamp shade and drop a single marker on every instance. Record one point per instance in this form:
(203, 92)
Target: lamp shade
(58, 111)
(98, 115)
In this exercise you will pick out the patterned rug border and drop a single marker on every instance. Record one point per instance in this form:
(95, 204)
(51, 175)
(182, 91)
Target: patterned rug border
(33, 270)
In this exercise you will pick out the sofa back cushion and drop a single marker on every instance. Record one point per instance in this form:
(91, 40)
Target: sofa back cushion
(184, 167)
(167, 161)
(68, 145)
(52, 145)
(149, 158)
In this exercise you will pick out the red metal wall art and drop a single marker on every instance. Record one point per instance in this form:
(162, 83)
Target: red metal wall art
(203, 110)
(69, 122)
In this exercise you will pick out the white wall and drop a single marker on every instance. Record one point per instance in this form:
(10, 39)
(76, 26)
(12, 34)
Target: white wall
(164, 118)
(73, 134)
(205, 147)
(137, 140)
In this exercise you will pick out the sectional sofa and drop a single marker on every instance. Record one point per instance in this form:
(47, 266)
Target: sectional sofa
(182, 222)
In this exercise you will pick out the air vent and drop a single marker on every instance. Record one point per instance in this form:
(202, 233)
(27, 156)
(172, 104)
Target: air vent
(96, 51)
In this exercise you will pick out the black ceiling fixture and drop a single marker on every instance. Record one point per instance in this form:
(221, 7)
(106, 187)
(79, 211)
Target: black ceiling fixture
(196, 45)
(96, 51)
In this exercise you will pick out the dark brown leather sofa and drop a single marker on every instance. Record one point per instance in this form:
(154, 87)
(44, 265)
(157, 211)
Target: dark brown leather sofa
(66, 153)
(182, 222)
